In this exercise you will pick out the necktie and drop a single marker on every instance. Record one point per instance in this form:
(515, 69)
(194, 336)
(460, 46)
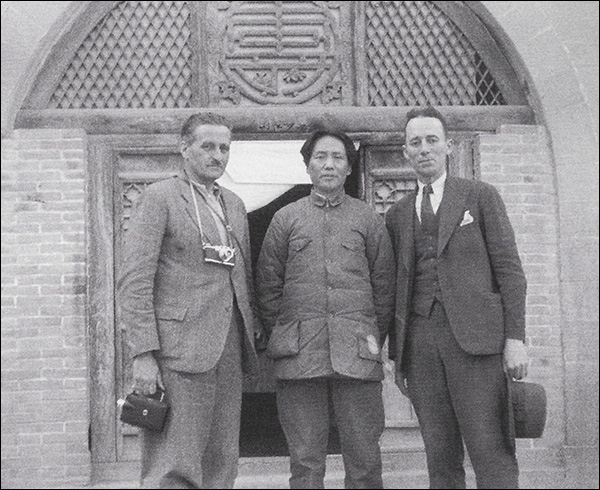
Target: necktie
(427, 214)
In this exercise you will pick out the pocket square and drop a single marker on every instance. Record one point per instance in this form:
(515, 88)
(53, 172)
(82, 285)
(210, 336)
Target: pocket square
(467, 218)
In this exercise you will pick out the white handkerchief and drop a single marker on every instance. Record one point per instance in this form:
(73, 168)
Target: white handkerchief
(467, 218)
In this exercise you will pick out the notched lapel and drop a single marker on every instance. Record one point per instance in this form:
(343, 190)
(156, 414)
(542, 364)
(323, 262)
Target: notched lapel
(234, 219)
(451, 210)
(407, 222)
(208, 227)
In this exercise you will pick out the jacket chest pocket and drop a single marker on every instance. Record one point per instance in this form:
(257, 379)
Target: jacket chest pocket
(297, 247)
(353, 252)
(354, 242)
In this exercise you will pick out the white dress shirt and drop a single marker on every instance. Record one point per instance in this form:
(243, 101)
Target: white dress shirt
(436, 197)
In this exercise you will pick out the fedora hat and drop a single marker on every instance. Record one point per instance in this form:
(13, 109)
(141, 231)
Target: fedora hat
(528, 402)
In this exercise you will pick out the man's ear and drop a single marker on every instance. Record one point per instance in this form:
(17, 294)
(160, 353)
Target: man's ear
(450, 145)
(183, 147)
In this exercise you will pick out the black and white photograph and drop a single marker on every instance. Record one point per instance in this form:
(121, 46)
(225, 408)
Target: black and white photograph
(332, 244)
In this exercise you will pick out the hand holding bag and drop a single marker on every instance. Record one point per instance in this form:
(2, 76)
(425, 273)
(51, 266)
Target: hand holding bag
(144, 411)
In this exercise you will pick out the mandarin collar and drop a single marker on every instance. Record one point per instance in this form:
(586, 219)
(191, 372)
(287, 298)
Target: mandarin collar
(323, 201)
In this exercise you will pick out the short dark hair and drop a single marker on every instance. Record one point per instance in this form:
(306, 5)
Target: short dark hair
(427, 111)
(311, 141)
(202, 119)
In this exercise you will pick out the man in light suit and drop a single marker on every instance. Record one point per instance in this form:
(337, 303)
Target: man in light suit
(460, 312)
(185, 303)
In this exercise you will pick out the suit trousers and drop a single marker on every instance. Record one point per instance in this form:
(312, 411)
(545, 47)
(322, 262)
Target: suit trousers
(458, 396)
(304, 408)
(199, 446)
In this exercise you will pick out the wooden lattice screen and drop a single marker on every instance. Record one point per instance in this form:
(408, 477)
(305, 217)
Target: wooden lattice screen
(417, 56)
(142, 55)
(138, 56)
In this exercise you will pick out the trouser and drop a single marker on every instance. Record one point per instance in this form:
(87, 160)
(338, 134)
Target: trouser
(459, 396)
(303, 407)
(199, 446)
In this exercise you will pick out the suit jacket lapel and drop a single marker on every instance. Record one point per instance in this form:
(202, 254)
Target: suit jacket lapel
(208, 226)
(450, 211)
(235, 220)
(407, 220)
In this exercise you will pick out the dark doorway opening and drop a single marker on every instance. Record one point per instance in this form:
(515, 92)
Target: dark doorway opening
(261, 433)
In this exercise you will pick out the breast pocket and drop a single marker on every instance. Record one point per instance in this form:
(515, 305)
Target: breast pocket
(354, 242)
(353, 251)
(297, 247)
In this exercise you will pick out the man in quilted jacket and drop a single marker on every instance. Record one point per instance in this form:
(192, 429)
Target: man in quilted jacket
(326, 285)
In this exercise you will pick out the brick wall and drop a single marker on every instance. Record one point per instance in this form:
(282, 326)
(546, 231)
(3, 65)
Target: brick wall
(45, 402)
(517, 162)
(45, 406)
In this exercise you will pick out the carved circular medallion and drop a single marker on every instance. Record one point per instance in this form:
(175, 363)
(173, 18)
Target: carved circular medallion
(280, 52)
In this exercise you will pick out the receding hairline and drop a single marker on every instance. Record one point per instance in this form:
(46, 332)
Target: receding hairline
(190, 126)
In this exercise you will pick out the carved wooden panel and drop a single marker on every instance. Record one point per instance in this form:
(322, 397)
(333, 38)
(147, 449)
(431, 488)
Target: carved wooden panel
(137, 56)
(135, 170)
(280, 53)
(416, 55)
(153, 54)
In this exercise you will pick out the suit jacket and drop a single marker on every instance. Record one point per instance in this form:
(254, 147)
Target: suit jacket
(482, 281)
(171, 300)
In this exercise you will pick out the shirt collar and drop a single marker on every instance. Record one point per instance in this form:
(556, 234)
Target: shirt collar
(201, 188)
(438, 185)
(324, 201)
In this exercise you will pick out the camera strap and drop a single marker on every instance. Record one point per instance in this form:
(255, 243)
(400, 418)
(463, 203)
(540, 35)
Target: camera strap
(214, 212)
(230, 234)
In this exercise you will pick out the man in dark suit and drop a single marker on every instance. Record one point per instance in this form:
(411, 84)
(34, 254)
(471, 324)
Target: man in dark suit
(460, 312)
(185, 303)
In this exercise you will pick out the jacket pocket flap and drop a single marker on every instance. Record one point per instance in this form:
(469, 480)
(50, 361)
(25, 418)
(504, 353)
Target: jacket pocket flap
(171, 312)
(285, 340)
(353, 246)
(368, 348)
(301, 243)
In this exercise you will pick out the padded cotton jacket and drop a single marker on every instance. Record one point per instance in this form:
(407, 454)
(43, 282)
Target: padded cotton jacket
(326, 288)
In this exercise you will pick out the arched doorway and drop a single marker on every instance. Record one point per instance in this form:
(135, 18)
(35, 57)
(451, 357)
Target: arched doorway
(131, 72)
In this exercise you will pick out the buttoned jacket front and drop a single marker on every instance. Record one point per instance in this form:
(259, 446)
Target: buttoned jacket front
(325, 286)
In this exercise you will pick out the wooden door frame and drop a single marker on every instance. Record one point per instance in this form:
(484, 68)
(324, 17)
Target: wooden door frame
(105, 354)
(115, 133)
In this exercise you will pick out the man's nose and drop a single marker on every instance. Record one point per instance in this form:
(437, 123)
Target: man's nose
(217, 154)
(328, 163)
